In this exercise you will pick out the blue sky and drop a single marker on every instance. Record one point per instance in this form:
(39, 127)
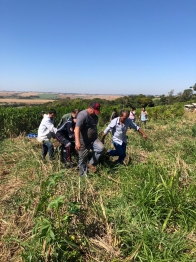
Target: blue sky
(98, 46)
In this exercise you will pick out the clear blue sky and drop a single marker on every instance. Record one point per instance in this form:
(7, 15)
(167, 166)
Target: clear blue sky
(98, 46)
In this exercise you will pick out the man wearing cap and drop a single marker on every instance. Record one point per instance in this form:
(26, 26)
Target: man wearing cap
(86, 138)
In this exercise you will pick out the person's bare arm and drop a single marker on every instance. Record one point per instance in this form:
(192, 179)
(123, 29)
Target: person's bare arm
(77, 138)
(142, 133)
(103, 138)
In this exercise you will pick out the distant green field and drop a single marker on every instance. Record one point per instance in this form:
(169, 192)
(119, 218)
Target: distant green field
(48, 96)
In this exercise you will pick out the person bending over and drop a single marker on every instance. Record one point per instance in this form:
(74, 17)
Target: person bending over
(46, 131)
(119, 127)
(65, 135)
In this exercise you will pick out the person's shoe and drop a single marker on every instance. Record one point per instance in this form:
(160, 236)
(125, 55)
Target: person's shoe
(121, 163)
(69, 165)
(83, 175)
(43, 157)
(92, 168)
(107, 155)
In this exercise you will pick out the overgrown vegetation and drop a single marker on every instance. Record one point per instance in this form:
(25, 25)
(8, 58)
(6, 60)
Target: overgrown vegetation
(143, 211)
(15, 121)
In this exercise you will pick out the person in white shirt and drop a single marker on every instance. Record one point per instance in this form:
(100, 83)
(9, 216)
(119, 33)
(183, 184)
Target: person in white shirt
(46, 131)
(119, 126)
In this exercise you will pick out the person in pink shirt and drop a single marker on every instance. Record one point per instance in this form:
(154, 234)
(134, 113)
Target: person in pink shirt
(132, 114)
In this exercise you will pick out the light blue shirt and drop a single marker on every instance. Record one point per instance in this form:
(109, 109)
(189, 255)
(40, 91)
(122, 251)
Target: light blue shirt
(143, 116)
(119, 131)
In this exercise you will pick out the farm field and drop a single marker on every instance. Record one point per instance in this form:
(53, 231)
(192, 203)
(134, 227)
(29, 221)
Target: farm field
(141, 211)
(90, 96)
(40, 97)
(26, 101)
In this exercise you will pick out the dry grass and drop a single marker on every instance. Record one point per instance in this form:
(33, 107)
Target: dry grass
(15, 222)
(61, 96)
(30, 94)
(89, 96)
(22, 101)
(8, 93)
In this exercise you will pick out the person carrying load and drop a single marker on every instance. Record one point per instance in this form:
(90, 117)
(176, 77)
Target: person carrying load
(67, 116)
(65, 135)
(46, 131)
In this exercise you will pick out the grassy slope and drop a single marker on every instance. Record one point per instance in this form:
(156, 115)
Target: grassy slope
(144, 210)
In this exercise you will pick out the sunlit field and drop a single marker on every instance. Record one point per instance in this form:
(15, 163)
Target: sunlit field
(144, 210)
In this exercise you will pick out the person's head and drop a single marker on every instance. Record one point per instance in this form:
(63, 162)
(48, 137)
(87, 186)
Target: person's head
(132, 108)
(143, 109)
(42, 113)
(76, 110)
(124, 114)
(114, 110)
(74, 114)
(94, 108)
(52, 113)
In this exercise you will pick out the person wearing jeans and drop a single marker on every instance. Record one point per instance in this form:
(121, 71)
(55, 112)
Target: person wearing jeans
(119, 127)
(46, 131)
(120, 150)
(47, 147)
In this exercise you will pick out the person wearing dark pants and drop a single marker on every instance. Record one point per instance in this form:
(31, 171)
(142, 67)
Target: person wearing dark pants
(65, 135)
(66, 150)
(46, 131)
(120, 150)
(119, 127)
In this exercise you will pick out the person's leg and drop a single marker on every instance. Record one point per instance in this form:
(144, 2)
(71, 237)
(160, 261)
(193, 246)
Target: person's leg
(66, 154)
(50, 149)
(123, 155)
(66, 150)
(98, 149)
(73, 150)
(44, 150)
(83, 157)
(118, 150)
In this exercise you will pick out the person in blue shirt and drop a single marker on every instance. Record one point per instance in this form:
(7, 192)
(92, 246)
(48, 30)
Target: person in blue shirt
(143, 116)
(119, 126)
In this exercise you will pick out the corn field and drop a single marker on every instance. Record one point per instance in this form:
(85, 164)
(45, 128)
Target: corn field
(14, 121)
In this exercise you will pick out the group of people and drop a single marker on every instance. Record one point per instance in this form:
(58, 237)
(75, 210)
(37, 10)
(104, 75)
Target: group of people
(79, 130)
(132, 115)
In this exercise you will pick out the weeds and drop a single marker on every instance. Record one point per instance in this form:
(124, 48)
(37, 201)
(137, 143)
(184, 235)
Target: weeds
(142, 211)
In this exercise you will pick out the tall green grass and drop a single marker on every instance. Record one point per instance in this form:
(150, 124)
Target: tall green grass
(142, 211)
